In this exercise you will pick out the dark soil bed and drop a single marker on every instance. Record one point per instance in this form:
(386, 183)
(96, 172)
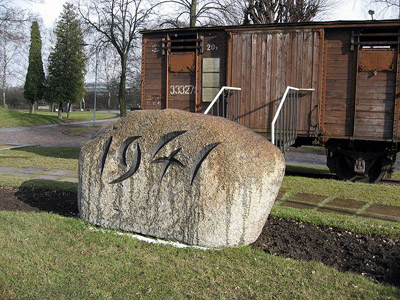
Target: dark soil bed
(375, 257)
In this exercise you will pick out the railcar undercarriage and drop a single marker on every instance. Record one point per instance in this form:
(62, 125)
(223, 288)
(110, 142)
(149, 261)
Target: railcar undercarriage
(362, 161)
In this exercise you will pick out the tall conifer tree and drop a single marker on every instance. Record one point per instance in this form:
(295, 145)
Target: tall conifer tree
(66, 72)
(34, 82)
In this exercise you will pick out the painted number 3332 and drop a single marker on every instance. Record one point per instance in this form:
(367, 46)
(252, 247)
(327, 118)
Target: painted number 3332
(181, 89)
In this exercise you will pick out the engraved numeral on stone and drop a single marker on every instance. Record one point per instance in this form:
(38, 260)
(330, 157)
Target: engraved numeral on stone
(165, 139)
(104, 154)
(167, 161)
(200, 157)
(124, 147)
(132, 170)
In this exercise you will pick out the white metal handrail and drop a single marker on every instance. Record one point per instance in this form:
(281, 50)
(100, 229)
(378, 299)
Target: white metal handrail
(224, 88)
(289, 88)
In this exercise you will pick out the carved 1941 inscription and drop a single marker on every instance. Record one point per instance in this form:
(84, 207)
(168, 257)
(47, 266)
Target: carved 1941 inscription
(197, 179)
(166, 161)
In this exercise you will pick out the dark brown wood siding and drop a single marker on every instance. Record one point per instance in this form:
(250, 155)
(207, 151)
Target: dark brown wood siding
(263, 64)
(340, 65)
(374, 106)
(360, 92)
(153, 72)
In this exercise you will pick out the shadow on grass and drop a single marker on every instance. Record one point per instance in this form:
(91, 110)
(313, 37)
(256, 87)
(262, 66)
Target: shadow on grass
(312, 172)
(56, 152)
(46, 195)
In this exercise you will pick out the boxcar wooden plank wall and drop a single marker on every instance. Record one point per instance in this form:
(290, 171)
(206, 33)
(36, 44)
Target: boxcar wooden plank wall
(265, 63)
(356, 83)
(153, 73)
(374, 105)
(184, 86)
(360, 88)
(339, 83)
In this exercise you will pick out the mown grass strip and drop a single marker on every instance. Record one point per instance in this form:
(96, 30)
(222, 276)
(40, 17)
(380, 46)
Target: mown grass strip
(41, 157)
(46, 256)
(22, 118)
(41, 184)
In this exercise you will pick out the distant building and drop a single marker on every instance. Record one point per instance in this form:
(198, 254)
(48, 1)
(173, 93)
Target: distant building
(101, 88)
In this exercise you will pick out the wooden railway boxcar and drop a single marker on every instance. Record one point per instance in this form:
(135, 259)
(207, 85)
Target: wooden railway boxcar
(353, 67)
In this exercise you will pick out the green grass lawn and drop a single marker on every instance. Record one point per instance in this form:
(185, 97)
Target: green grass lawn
(41, 157)
(17, 118)
(46, 256)
(67, 158)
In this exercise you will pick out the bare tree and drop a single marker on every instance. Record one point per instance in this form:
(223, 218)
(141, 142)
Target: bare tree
(13, 34)
(394, 3)
(191, 13)
(119, 22)
(285, 11)
(109, 72)
(393, 6)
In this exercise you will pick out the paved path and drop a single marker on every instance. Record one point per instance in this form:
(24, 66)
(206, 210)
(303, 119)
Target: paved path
(38, 173)
(50, 135)
(339, 206)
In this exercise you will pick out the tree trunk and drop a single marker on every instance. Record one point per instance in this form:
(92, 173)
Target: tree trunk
(193, 13)
(69, 110)
(122, 87)
(4, 81)
(32, 108)
(60, 108)
(109, 100)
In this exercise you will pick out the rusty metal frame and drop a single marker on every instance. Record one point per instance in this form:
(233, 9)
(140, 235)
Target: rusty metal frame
(322, 81)
(198, 76)
(142, 100)
(376, 43)
(167, 51)
(396, 114)
(229, 60)
(355, 86)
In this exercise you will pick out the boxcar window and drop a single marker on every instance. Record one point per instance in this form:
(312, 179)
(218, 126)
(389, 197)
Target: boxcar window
(210, 78)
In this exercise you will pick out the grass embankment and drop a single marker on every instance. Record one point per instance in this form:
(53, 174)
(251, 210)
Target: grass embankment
(45, 256)
(22, 118)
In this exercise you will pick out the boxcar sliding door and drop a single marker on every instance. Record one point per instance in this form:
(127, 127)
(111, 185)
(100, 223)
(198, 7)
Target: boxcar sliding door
(375, 84)
(182, 72)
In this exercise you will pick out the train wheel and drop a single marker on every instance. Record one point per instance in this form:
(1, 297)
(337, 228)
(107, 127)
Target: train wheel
(374, 170)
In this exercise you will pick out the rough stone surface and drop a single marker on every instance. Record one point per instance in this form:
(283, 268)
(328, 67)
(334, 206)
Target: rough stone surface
(170, 188)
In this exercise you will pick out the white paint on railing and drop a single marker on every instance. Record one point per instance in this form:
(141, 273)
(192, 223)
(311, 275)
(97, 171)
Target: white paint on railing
(280, 108)
(219, 94)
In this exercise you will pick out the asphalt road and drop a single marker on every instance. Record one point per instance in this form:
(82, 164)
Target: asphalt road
(50, 135)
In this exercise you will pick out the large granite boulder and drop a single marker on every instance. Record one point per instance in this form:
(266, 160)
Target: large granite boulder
(198, 179)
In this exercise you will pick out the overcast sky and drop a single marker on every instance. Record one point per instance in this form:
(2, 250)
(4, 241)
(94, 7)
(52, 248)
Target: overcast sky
(49, 10)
